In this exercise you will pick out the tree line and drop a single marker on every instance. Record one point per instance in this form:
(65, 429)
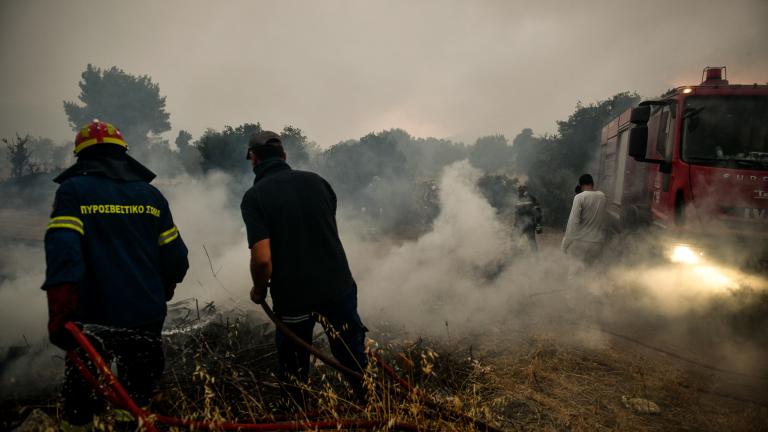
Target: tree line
(387, 176)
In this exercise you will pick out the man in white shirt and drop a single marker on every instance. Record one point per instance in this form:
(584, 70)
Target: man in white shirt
(585, 233)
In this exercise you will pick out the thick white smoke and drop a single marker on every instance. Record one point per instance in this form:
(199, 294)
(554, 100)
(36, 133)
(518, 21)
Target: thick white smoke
(439, 276)
(23, 312)
(208, 217)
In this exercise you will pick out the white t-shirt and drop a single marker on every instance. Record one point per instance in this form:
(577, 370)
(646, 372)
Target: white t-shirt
(587, 219)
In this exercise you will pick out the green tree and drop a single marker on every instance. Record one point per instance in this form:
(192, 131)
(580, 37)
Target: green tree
(551, 179)
(579, 136)
(132, 103)
(558, 160)
(48, 155)
(352, 165)
(296, 145)
(523, 149)
(424, 157)
(20, 157)
(492, 154)
(183, 139)
(189, 154)
(430, 155)
(226, 150)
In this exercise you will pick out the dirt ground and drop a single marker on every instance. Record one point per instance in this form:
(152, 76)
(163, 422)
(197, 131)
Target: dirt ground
(543, 383)
(554, 381)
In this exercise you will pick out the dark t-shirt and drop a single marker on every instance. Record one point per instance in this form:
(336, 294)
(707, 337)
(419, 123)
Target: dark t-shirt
(296, 211)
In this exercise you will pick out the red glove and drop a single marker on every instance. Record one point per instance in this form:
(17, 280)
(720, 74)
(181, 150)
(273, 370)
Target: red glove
(62, 305)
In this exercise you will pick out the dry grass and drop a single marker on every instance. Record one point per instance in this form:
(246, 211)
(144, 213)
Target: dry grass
(523, 381)
(222, 368)
(225, 371)
(545, 384)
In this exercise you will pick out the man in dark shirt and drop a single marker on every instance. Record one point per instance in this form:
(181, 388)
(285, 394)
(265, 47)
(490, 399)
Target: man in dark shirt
(290, 218)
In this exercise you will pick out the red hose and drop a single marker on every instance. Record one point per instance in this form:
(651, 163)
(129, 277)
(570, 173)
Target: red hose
(116, 394)
(387, 369)
(285, 426)
(302, 343)
(100, 388)
(391, 372)
(118, 389)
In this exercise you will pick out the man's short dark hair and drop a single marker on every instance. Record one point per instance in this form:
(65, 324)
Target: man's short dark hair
(586, 179)
(265, 145)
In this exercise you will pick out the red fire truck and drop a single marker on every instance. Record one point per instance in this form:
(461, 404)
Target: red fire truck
(693, 164)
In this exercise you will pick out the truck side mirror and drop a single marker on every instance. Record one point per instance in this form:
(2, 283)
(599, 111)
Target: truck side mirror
(638, 142)
(640, 115)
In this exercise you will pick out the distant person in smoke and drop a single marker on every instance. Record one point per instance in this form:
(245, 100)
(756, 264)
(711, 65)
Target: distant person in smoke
(528, 216)
(585, 232)
(296, 255)
(114, 257)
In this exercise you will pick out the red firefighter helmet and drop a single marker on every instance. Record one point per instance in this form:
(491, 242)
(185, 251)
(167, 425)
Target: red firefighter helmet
(98, 132)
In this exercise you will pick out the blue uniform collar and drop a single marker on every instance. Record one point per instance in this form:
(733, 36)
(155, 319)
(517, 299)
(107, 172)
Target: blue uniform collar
(124, 168)
(268, 167)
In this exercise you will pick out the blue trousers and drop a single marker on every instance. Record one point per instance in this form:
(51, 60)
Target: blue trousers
(346, 337)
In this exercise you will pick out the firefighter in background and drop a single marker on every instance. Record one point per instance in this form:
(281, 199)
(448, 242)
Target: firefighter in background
(114, 257)
(528, 216)
(290, 220)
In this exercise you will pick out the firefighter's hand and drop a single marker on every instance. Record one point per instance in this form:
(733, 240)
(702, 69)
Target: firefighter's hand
(258, 294)
(62, 305)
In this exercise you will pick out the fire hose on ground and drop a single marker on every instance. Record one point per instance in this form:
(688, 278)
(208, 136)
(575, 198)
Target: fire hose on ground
(113, 391)
(380, 362)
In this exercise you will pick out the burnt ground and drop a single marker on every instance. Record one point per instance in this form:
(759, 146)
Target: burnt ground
(515, 378)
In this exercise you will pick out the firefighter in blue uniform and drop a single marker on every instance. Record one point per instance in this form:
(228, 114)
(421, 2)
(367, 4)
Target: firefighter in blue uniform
(290, 219)
(114, 257)
(528, 216)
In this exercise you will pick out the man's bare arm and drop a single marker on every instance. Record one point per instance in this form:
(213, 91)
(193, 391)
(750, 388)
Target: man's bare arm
(261, 269)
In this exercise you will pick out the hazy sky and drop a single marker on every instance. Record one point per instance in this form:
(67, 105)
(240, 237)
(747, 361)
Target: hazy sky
(340, 69)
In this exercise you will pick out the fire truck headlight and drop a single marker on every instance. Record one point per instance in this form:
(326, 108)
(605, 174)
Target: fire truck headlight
(684, 254)
(687, 90)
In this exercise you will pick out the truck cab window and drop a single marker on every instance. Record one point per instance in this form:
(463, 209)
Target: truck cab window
(728, 131)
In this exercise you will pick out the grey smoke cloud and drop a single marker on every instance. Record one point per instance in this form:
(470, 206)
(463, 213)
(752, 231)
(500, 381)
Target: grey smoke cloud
(425, 282)
(340, 69)
(22, 304)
